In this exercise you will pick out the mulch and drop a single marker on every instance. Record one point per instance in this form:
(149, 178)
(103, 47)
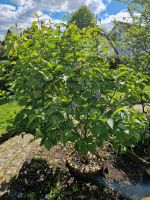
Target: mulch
(46, 177)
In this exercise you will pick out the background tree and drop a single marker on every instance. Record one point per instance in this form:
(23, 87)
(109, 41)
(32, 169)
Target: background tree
(5, 66)
(133, 39)
(83, 17)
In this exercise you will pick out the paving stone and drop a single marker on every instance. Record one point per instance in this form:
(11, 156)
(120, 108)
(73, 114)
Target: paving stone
(13, 153)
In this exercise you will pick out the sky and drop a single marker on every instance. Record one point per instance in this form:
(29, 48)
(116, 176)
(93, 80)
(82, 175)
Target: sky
(21, 12)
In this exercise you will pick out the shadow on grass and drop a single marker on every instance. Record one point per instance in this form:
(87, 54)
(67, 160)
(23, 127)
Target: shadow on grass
(37, 180)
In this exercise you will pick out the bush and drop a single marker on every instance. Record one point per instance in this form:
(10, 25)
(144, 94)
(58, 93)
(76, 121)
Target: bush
(83, 17)
(69, 91)
(5, 68)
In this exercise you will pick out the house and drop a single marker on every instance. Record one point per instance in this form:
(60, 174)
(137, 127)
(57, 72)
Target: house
(116, 35)
(138, 45)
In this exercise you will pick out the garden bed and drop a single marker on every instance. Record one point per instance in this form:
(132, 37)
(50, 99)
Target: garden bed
(46, 177)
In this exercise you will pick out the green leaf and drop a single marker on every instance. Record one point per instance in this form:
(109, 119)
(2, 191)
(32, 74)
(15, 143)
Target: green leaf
(48, 144)
(37, 94)
(110, 122)
(138, 121)
(121, 74)
(13, 62)
(31, 119)
(119, 109)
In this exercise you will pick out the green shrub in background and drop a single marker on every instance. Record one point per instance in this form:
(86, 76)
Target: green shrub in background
(83, 17)
(133, 39)
(69, 91)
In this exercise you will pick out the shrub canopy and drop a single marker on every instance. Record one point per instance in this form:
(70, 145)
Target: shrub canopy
(68, 91)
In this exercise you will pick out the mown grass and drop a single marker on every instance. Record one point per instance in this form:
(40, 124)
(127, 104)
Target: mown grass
(8, 111)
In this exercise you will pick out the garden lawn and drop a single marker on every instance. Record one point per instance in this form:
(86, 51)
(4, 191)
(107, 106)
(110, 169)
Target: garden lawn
(8, 111)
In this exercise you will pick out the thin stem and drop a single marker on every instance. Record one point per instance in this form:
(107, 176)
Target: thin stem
(109, 102)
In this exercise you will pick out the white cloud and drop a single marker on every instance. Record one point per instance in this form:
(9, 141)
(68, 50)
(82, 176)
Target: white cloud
(96, 5)
(122, 16)
(6, 11)
(23, 13)
(69, 5)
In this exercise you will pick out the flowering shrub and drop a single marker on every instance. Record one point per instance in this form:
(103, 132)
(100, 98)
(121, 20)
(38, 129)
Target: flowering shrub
(68, 90)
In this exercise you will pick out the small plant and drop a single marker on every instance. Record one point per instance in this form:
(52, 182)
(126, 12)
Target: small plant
(31, 196)
(69, 91)
(55, 192)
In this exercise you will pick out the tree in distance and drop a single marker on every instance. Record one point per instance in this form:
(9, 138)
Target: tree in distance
(83, 17)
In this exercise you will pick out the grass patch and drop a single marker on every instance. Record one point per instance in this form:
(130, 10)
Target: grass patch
(8, 111)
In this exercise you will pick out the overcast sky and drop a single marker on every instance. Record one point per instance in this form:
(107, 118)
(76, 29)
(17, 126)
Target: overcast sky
(22, 11)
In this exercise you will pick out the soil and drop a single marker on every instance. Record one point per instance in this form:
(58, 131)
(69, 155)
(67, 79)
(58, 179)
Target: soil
(143, 150)
(46, 177)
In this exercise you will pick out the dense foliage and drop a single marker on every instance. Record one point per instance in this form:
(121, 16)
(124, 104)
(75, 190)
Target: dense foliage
(82, 17)
(133, 39)
(69, 91)
(5, 67)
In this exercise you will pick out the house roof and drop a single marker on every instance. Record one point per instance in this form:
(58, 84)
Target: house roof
(121, 23)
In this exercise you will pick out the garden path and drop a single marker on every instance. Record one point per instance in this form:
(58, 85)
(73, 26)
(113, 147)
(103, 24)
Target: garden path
(13, 153)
